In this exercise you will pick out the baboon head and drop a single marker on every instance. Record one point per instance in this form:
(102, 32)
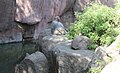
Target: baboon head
(57, 18)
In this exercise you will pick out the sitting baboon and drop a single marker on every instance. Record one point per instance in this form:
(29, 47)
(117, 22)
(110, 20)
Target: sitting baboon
(57, 28)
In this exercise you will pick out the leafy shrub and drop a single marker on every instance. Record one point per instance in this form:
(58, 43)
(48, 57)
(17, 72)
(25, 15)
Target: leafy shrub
(98, 22)
(95, 70)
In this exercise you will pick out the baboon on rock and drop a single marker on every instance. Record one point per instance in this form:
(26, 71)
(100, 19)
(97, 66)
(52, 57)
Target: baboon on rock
(57, 28)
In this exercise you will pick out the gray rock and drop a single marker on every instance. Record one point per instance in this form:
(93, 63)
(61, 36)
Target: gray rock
(46, 32)
(48, 41)
(66, 60)
(112, 67)
(34, 63)
(80, 42)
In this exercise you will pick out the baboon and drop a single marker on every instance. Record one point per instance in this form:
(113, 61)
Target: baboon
(57, 28)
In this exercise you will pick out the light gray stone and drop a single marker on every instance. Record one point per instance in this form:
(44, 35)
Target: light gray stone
(34, 63)
(80, 42)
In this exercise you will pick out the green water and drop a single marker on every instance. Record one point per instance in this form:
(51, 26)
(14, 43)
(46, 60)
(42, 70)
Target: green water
(12, 54)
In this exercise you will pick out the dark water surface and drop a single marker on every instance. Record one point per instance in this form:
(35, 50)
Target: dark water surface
(11, 54)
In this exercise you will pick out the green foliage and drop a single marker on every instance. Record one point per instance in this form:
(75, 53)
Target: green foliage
(95, 69)
(116, 19)
(98, 22)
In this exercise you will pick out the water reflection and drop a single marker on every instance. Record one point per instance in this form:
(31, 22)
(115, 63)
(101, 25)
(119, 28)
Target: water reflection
(11, 54)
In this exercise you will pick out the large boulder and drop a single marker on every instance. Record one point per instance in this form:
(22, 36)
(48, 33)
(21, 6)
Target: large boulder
(45, 46)
(27, 11)
(34, 63)
(80, 42)
(46, 32)
(9, 31)
(66, 60)
(48, 41)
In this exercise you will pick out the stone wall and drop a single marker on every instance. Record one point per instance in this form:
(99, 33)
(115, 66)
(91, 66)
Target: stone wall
(9, 31)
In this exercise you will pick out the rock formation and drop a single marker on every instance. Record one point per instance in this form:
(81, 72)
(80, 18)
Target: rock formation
(63, 59)
(34, 63)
